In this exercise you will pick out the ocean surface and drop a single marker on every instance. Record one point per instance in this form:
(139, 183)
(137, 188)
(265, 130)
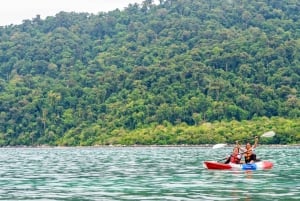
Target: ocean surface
(143, 173)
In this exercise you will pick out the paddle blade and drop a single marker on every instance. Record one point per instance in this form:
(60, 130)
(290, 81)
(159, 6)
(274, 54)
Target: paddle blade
(216, 146)
(268, 134)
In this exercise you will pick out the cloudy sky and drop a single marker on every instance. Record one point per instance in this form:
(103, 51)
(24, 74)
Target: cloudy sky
(15, 11)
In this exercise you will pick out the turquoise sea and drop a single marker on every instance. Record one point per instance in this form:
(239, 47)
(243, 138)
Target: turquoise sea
(143, 173)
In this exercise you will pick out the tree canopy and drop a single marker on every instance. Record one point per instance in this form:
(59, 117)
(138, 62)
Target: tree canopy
(153, 74)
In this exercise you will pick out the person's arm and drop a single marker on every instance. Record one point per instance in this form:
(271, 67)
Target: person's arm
(237, 144)
(255, 142)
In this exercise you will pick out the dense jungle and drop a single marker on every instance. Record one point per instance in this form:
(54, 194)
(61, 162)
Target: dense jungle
(170, 72)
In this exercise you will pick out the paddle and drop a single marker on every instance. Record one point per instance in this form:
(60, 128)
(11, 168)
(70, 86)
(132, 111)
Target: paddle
(268, 134)
(217, 146)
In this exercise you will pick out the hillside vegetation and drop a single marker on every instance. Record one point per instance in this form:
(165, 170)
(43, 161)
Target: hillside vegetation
(176, 72)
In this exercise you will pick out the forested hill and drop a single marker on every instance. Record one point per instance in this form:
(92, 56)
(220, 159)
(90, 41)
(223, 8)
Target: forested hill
(153, 74)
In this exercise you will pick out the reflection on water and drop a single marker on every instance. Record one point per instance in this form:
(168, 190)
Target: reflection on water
(142, 173)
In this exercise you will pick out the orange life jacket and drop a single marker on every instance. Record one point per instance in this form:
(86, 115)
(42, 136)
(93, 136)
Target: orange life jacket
(248, 154)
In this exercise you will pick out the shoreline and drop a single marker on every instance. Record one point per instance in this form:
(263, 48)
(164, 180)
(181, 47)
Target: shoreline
(137, 146)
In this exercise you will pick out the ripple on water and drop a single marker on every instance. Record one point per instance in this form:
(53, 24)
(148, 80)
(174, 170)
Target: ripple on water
(142, 173)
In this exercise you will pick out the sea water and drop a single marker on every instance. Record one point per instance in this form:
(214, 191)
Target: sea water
(143, 173)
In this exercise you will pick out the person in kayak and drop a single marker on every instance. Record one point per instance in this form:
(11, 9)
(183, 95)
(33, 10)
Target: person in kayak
(235, 157)
(248, 151)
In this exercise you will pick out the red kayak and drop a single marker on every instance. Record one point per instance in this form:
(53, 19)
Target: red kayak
(261, 165)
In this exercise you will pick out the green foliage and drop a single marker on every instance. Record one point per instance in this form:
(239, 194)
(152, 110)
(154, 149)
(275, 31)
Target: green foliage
(287, 132)
(153, 74)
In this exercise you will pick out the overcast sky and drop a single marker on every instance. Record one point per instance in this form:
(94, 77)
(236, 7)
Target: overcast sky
(15, 11)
